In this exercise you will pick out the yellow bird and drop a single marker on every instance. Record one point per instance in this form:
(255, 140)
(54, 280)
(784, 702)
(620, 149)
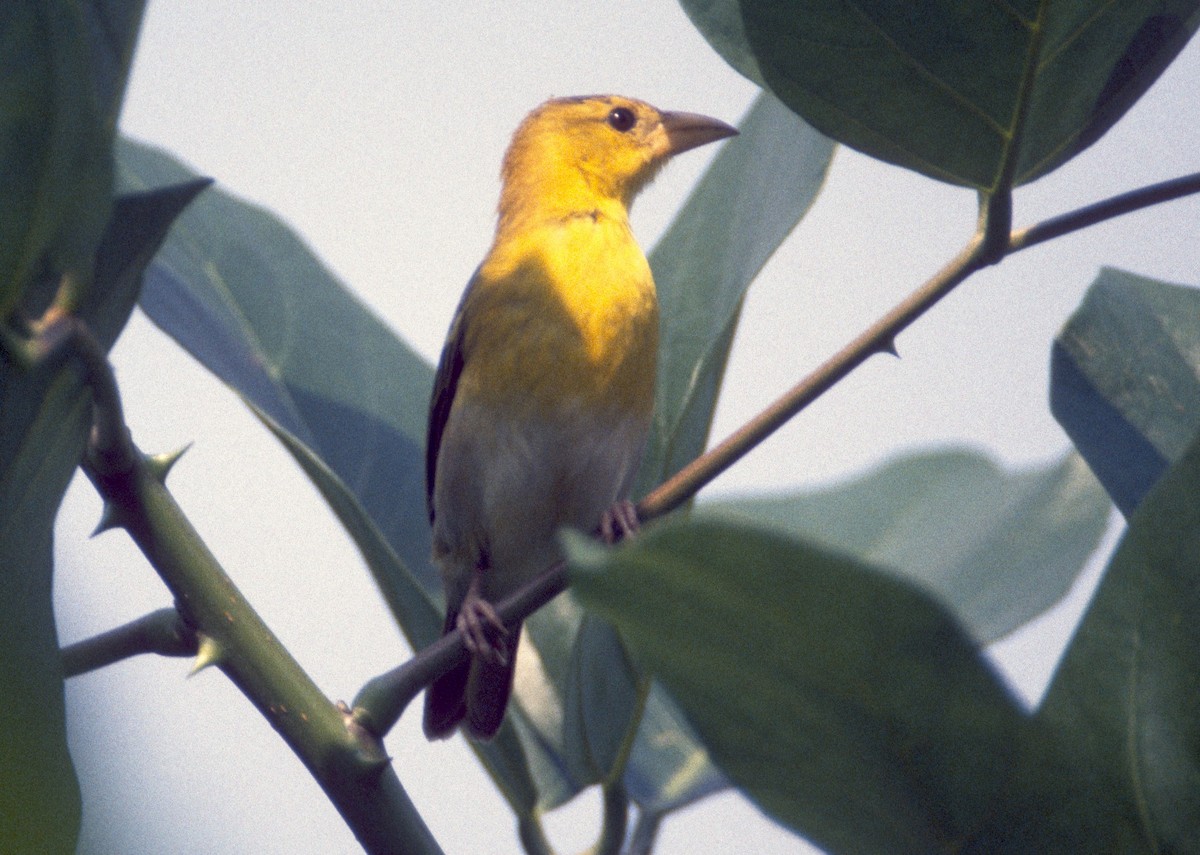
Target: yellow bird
(545, 388)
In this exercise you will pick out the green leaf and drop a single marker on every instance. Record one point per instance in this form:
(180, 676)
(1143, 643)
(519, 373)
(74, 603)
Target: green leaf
(63, 67)
(996, 548)
(242, 293)
(845, 702)
(1128, 684)
(756, 191)
(983, 94)
(601, 699)
(45, 412)
(1123, 380)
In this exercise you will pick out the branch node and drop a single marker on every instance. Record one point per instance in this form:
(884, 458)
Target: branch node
(995, 226)
(370, 756)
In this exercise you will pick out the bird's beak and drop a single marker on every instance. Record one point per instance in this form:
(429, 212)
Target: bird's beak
(688, 130)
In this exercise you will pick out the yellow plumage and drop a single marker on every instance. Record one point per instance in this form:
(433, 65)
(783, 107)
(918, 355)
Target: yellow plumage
(545, 388)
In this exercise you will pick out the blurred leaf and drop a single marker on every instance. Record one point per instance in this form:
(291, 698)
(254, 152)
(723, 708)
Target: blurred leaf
(1123, 380)
(758, 188)
(950, 89)
(347, 398)
(242, 294)
(844, 702)
(601, 698)
(63, 67)
(670, 768)
(1128, 683)
(45, 412)
(996, 548)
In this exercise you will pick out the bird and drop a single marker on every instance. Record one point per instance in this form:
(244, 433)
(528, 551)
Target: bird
(544, 390)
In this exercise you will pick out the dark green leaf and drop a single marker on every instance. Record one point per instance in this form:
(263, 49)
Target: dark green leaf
(1123, 380)
(756, 191)
(44, 417)
(63, 67)
(984, 94)
(996, 548)
(1128, 684)
(843, 701)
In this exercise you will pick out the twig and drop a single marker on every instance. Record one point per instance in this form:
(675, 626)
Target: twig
(163, 632)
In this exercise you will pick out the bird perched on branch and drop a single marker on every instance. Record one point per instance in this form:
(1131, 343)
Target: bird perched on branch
(544, 392)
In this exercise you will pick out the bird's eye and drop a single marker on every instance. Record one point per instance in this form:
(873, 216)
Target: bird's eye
(621, 119)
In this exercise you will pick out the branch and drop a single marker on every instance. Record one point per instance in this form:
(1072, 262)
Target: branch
(880, 337)
(163, 632)
(1107, 209)
(380, 703)
(350, 765)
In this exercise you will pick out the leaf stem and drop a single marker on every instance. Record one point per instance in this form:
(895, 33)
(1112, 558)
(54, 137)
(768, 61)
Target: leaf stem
(163, 632)
(645, 831)
(616, 818)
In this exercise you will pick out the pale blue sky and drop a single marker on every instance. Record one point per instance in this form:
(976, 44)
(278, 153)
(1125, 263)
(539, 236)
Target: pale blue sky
(376, 130)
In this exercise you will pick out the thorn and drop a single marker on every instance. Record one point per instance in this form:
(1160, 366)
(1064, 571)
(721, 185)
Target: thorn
(208, 653)
(159, 465)
(888, 346)
(111, 517)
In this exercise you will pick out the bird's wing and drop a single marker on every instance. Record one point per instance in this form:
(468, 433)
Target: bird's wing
(445, 383)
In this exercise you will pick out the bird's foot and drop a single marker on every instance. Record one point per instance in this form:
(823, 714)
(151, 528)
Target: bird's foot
(619, 522)
(484, 634)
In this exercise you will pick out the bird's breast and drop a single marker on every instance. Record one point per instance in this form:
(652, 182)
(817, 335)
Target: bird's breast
(565, 315)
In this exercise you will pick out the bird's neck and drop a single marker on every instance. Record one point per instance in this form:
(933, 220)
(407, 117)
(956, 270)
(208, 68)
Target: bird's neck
(550, 191)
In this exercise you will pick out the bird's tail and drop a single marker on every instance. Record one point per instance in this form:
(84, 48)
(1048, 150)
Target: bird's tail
(474, 693)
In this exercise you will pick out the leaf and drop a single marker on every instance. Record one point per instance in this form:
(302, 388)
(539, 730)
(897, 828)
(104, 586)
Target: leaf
(756, 191)
(1128, 683)
(983, 94)
(243, 295)
(995, 548)
(600, 699)
(1123, 380)
(45, 412)
(63, 67)
(843, 701)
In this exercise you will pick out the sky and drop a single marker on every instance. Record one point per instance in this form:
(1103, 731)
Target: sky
(375, 129)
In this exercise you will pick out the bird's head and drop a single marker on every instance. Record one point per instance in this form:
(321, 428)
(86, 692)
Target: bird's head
(596, 150)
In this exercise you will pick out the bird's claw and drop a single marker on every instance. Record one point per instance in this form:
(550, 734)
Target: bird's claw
(619, 522)
(484, 634)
